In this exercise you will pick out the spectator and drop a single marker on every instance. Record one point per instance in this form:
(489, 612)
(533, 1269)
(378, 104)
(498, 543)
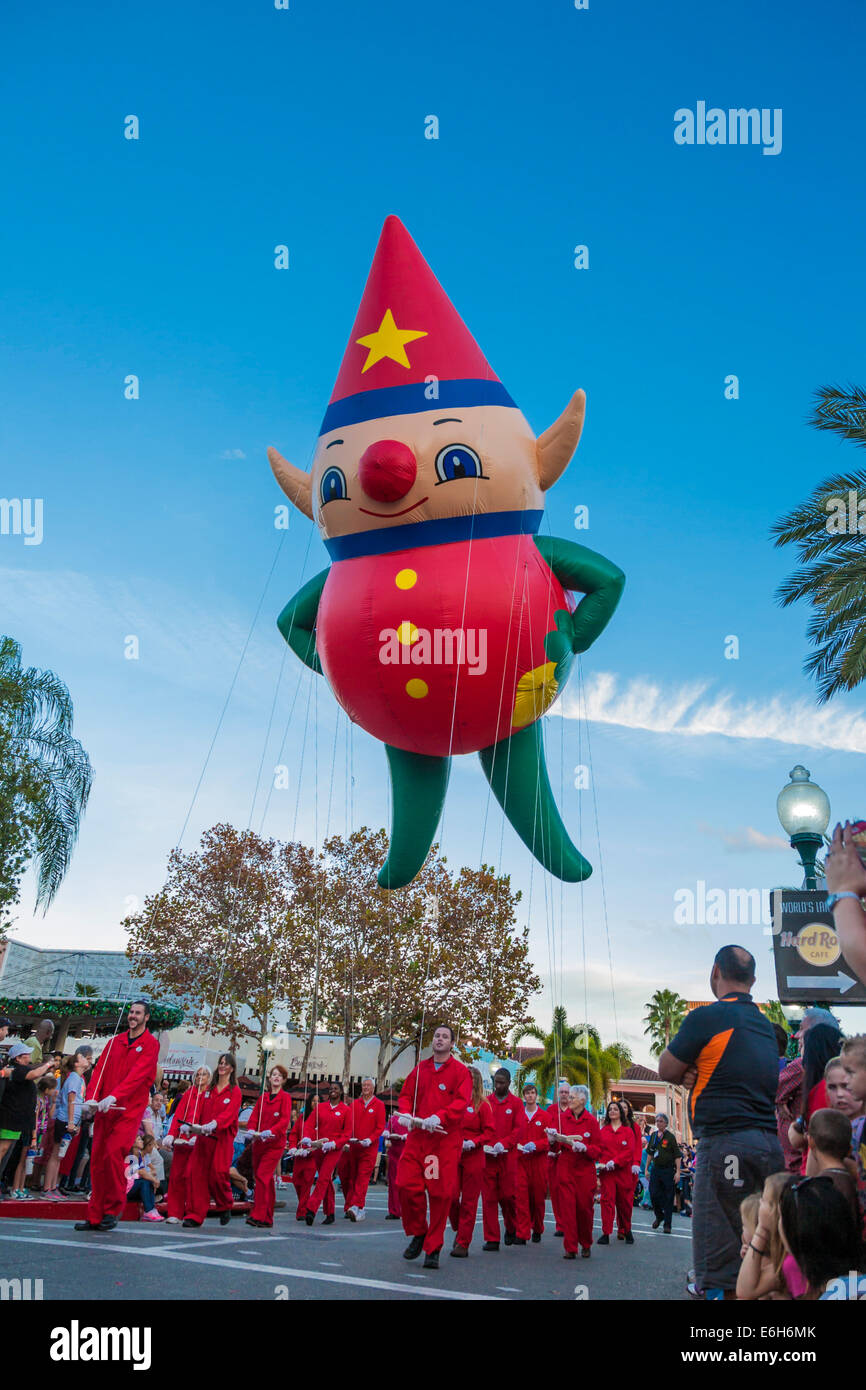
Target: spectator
(153, 1119)
(18, 1110)
(664, 1153)
(38, 1043)
(789, 1092)
(782, 1040)
(822, 1044)
(829, 1151)
(141, 1179)
(767, 1271)
(819, 1230)
(46, 1105)
(67, 1120)
(733, 1115)
(854, 1062)
(846, 885)
(76, 1165)
(182, 1087)
(5, 1025)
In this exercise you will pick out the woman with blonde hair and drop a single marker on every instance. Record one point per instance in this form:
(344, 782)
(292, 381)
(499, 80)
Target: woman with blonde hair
(476, 1131)
(767, 1270)
(181, 1140)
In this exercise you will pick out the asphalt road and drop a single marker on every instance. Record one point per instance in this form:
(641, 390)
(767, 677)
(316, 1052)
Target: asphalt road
(144, 1261)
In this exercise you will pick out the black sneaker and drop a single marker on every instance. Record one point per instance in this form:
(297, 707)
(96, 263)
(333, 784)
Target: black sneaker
(603, 1240)
(516, 1241)
(431, 1260)
(560, 1234)
(414, 1248)
(391, 1217)
(569, 1255)
(225, 1218)
(328, 1221)
(490, 1245)
(536, 1237)
(107, 1223)
(86, 1226)
(310, 1217)
(657, 1223)
(189, 1222)
(509, 1237)
(629, 1238)
(667, 1230)
(459, 1252)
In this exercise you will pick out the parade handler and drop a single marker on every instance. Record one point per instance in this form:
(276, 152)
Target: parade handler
(120, 1090)
(432, 1104)
(368, 1126)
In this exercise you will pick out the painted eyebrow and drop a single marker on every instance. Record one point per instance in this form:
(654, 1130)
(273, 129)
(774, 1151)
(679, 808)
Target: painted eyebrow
(332, 443)
(449, 420)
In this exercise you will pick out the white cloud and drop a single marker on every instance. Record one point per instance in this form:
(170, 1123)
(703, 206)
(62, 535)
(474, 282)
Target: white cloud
(232, 454)
(745, 838)
(692, 709)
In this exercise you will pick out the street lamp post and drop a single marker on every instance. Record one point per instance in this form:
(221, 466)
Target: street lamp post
(804, 814)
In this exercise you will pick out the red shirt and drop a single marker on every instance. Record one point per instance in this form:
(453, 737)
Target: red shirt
(271, 1112)
(223, 1106)
(188, 1110)
(477, 1126)
(585, 1128)
(327, 1121)
(126, 1070)
(532, 1131)
(367, 1119)
(509, 1118)
(444, 1091)
(616, 1145)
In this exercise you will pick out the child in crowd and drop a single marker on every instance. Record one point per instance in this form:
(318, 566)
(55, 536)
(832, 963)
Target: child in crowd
(749, 1218)
(854, 1062)
(764, 1273)
(821, 1234)
(141, 1179)
(829, 1148)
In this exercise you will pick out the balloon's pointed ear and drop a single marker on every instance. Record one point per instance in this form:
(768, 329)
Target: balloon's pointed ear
(555, 448)
(296, 484)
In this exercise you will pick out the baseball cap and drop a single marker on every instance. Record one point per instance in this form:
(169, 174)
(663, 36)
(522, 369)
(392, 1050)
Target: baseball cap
(19, 1050)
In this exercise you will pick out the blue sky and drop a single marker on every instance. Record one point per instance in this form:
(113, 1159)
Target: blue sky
(306, 127)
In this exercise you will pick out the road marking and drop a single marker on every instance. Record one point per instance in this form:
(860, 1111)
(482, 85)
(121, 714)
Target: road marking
(332, 1264)
(505, 1288)
(283, 1273)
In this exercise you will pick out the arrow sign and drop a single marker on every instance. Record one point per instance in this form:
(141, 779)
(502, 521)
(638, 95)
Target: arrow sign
(838, 981)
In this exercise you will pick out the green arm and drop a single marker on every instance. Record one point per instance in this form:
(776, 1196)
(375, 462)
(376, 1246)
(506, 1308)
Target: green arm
(297, 622)
(591, 574)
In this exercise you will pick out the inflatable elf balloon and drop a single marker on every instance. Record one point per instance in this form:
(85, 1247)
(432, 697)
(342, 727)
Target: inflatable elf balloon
(445, 623)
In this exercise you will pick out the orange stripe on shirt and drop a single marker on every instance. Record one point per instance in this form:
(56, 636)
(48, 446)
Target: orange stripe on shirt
(708, 1060)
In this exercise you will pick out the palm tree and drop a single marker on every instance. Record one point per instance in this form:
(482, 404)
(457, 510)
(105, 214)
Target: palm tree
(39, 754)
(664, 1014)
(832, 551)
(571, 1051)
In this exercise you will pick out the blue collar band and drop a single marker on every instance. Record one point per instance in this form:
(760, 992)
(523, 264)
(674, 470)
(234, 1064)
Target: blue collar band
(480, 526)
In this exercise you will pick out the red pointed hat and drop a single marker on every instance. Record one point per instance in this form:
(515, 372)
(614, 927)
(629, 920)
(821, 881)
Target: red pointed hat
(406, 332)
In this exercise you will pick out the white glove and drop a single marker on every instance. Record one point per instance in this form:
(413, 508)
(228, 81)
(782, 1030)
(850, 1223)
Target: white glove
(529, 1148)
(468, 1145)
(365, 1143)
(209, 1127)
(635, 1168)
(498, 1148)
(168, 1141)
(578, 1147)
(609, 1166)
(185, 1129)
(328, 1146)
(88, 1107)
(550, 1133)
(305, 1142)
(291, 1153)
(106, 1104)
(404, 1119)
(265, 1134)
(432, 1122)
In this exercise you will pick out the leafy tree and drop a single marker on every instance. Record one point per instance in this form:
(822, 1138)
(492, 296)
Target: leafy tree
(665, 1012)
(571, 1051)
(832, 552)
(45, 779)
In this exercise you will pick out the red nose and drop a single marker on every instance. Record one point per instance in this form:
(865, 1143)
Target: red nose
(387, 470)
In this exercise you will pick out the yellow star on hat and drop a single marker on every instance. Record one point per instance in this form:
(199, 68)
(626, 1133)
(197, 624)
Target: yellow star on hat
(388, 341)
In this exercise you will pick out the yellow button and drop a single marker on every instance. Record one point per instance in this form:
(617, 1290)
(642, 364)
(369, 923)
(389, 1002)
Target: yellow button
(417, 689)
(407, 633)
(406, 579)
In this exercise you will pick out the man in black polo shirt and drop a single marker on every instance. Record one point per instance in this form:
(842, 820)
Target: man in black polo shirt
(664, 1151)
(726, 1053)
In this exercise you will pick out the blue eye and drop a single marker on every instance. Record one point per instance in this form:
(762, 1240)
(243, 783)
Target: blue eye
(333, 485)
(457, 461)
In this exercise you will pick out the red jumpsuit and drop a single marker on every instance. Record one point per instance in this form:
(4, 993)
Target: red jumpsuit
(208, 1174)
(532, 1175)
(367, 1121)
(303, 1169)
(577, 1179)
(617, 1187)
(477, 1129)
(500, 1171)
(428, 1167)
(553, 1114)
(396, 1138)
(126, 1069)
(271, 1112)
(188, 1110)
(331, 1123)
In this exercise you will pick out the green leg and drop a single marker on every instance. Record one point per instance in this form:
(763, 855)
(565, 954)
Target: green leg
(418, 785)
(516, 771)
